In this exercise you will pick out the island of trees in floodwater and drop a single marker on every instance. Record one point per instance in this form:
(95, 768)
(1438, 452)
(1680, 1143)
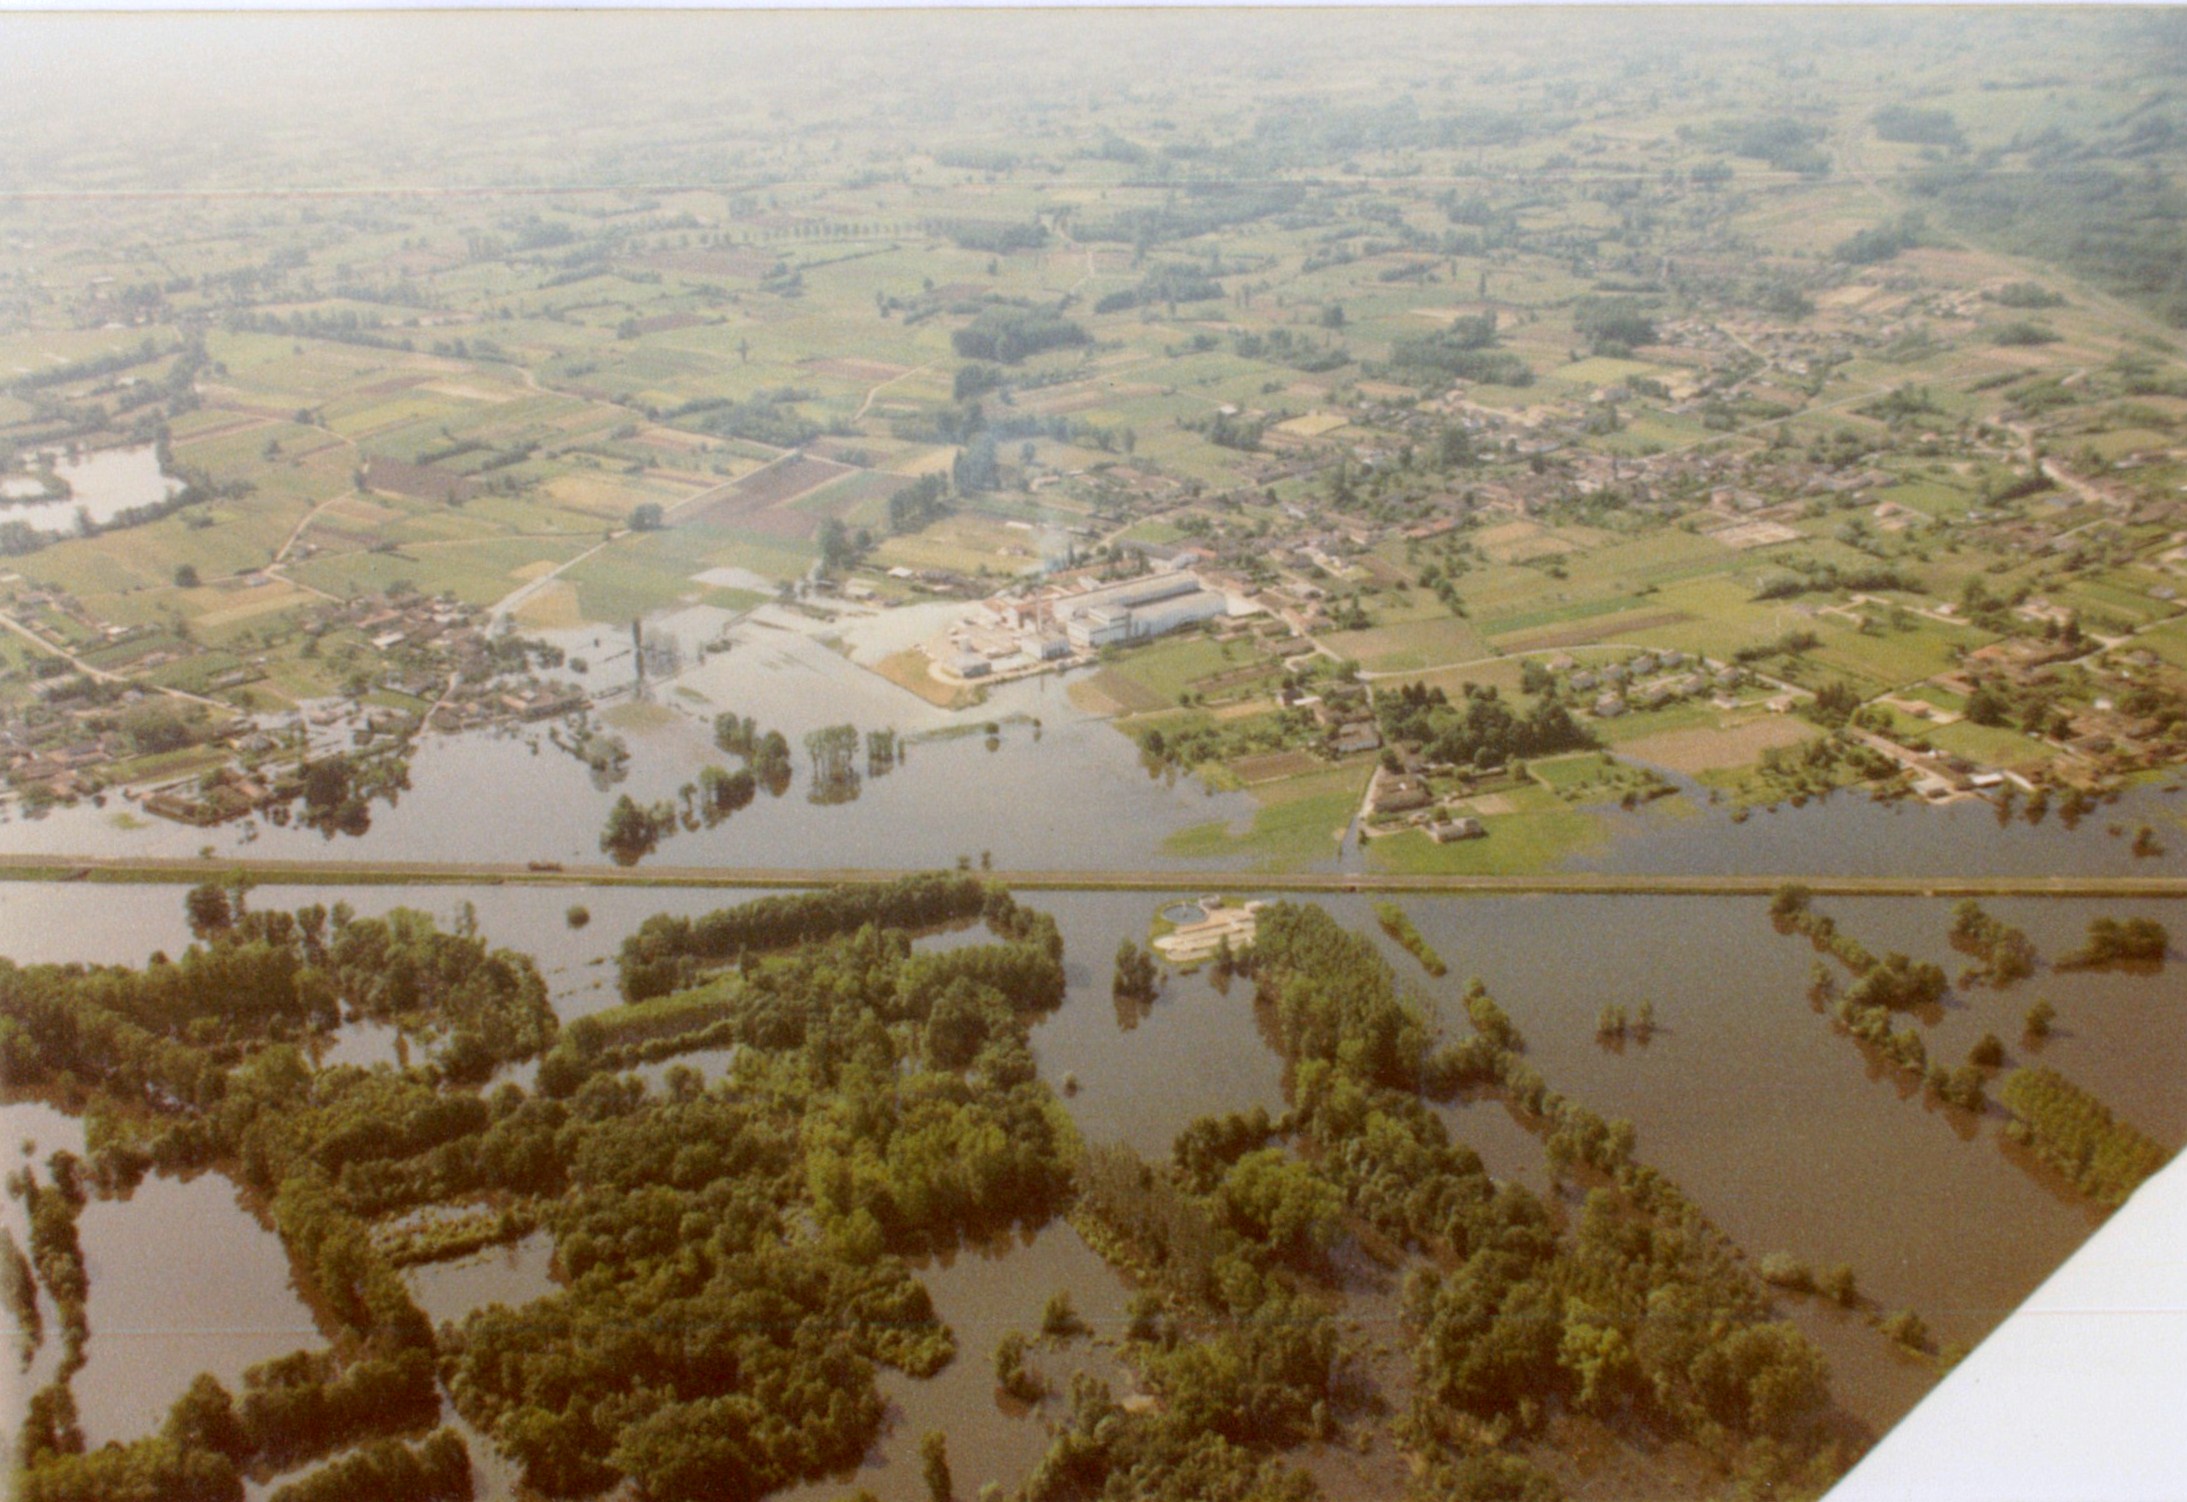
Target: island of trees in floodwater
(1196, 447)
(741, 1263)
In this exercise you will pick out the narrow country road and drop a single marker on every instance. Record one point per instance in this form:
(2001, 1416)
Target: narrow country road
(102, 675)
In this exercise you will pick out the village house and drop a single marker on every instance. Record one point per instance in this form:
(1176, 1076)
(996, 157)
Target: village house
(1397, 793)
(1354, 738)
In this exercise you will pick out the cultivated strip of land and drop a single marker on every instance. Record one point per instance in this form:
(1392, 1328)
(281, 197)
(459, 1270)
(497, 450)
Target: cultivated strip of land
(277, 872)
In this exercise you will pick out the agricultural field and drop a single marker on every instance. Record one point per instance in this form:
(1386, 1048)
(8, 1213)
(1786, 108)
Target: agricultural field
(1443, 440)
(1528, 838)
(1298, 825)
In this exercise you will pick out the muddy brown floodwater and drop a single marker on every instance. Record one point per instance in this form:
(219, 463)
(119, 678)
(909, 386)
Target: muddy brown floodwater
(1785, 1131)
(1782, 1129)
(983, 1293)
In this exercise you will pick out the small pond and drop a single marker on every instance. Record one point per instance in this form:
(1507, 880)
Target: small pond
(103, 485)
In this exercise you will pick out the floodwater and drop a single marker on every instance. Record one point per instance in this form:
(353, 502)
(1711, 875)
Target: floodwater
(1782, 1129)
(364, 1043)
(1853, 834)
(184, 1279)
(30, 1132)
(240, 1307)
(1053, 787)
(1065, 791)
(514, 1275)
(1509, 1150)
(982, 1293)
(709, 1064)
(105, 484)
(46, 923)
(1144, 1075)
(493, 1477)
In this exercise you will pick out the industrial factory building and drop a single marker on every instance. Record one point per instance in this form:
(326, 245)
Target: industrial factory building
(1137, 608)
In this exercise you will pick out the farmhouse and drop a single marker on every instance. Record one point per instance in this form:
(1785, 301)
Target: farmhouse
(1362, 736)
(1396, 794)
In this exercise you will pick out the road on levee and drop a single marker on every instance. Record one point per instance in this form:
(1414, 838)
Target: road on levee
(275, 872)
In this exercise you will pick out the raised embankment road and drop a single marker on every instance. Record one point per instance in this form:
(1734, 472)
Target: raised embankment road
(275, 872)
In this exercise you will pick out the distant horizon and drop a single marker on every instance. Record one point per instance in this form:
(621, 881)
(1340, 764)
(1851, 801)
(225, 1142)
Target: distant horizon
(1292, 751)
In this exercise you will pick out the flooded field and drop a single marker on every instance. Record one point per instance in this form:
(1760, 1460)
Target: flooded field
(102, 486)
(1051, 785)
(1144, 1074)
(1853, 834)
(514, 1275)
(983, 1293)
(184, 1280)
(1780, 1127)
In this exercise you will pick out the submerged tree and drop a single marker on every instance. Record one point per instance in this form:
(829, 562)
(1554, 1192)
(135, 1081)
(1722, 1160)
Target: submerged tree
(881, 748)
(1137, 977)
(833, 750)
(934, 1466)
(633, 829)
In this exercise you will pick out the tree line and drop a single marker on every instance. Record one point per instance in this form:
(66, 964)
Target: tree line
(1469, 349)
(2075, 1133)
(671, 953)
(731, 1258)
(1880, 987)
(1168, 283)
(1482, 730)
(766, 754)
(200, 1060)
(2114, 944)
(2004, 953)
(1643, 1313)
(1007, 334)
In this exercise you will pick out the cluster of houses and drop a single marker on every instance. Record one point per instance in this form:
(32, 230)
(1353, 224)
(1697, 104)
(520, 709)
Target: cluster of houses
(220, 795)
(476, 706)
(1648, 680)
(55, 616)
(390, 621)
(1344, 714)
(2111, 739)
(430, 648)
(59, 755)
